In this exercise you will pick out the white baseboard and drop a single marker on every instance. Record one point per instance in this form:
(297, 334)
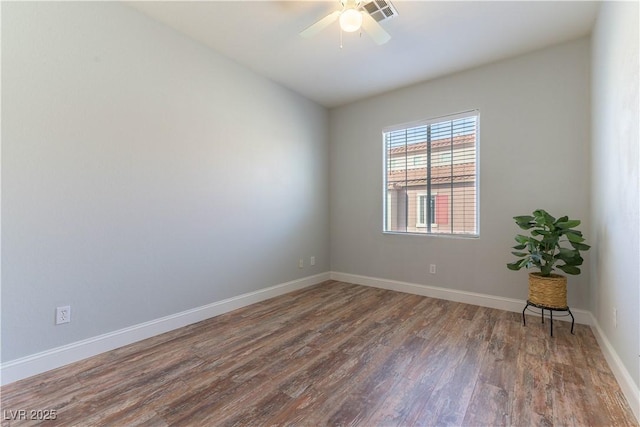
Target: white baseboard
(508, 304)
(628, 386)
(25, 367)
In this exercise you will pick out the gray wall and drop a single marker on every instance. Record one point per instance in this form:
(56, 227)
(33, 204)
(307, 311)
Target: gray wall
(144, 175)
(616, 180)
(534, 153)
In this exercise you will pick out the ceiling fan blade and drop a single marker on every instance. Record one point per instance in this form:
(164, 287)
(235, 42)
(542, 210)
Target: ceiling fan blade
(320, 25)
(375, 31)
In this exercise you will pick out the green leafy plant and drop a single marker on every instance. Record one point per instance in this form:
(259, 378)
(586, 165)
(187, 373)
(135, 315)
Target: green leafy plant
(551, 241)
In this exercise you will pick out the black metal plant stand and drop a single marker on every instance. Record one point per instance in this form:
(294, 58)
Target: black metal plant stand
(551, 310)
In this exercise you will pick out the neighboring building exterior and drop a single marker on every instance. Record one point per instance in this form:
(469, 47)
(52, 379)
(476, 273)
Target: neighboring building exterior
(449, 205)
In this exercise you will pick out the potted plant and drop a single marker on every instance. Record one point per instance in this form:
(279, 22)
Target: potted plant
(552, 244)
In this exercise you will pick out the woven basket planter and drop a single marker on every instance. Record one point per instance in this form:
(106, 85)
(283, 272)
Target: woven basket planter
(549, 291)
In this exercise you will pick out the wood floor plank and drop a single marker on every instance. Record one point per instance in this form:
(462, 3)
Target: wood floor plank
(489, 405)
(532, 395)
(339, 354)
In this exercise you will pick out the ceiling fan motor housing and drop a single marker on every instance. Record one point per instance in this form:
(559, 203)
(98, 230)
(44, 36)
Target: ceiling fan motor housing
(350, 4)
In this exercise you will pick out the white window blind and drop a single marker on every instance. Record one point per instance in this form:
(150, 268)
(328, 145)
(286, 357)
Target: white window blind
(434, 160)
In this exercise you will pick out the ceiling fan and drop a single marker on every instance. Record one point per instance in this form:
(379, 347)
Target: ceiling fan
(354, 15)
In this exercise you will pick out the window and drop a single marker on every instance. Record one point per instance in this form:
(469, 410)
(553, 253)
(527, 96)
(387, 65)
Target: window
(422, 210)
(431, 176)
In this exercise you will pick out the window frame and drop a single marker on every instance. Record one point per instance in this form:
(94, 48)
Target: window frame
(386, 202)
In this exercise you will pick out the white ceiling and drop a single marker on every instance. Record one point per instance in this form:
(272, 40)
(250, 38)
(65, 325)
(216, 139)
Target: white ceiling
(429, 39)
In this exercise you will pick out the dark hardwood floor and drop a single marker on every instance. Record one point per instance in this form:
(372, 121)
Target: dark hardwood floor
(339, 354)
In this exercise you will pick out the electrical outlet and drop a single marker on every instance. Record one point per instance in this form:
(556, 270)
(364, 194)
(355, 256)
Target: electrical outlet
(63, 314)
(432, 269)
(301, 263)
(312, 260)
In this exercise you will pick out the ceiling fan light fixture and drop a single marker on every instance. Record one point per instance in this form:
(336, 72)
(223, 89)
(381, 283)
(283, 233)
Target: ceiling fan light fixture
(350, 20)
